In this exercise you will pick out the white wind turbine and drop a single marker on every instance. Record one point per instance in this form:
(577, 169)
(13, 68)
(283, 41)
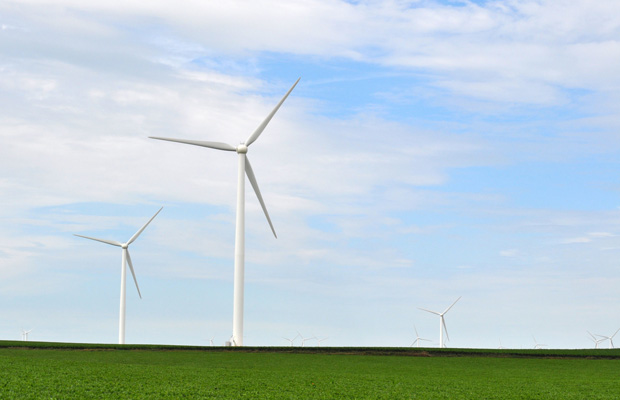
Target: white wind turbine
(595, 340)
(25, 335)
(291, 341)
(442, 322)
(538, 345)
(244, 169)
(320, 340)
(303, 339)
(126, 259)
(610, 338)
(417, 340)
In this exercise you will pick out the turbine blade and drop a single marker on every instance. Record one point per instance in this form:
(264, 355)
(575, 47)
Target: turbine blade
(445, 328)
(432, 312)
(135, 236)
(250, 173)
(612, 336)
(211, 145)
(452, 305)
(263, 125)
(133, 272)
(112, 242)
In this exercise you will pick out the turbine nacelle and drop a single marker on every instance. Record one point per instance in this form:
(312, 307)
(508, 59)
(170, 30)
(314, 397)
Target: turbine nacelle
(242, 149)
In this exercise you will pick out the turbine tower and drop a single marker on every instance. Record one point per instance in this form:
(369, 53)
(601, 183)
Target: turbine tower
(244, 169)
(126, 259)
(442, 322)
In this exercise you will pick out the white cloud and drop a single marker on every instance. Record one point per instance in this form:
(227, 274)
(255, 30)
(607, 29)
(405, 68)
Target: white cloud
(509, 253)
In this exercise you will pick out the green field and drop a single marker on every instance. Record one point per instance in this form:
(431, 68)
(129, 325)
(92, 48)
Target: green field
(70, 371)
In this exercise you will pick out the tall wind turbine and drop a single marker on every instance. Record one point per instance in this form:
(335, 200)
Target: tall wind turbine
(244, 169)
(126, 259)
(442, 322)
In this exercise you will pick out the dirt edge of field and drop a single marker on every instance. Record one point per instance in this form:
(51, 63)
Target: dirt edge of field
(362, 351)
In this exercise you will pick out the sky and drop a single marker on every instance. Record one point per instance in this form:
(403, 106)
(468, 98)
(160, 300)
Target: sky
(432, 149)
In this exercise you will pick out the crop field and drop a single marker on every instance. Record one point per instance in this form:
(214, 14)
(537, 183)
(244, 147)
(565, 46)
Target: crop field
(70, 371)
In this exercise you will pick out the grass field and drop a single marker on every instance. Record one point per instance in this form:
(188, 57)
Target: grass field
(70, 371)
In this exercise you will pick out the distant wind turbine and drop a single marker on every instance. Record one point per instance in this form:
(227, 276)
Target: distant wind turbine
(25, 335)
(126, 259)
(211, 340)
(610, 338)
(538, 345)
(595, 340)
(417, 340)
(304, 340)
(320, 340)
(442, 322)
(291, 341)
(244, 169)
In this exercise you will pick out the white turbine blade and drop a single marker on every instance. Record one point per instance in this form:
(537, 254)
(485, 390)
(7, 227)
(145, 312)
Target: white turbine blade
(135, 236)
(416, 331)
(252, 178)
(262, 126)
(445, 328)
(112, 242)
(432, 312)
(612, 336)
(211, 145)
(133, 272)
(452, 305)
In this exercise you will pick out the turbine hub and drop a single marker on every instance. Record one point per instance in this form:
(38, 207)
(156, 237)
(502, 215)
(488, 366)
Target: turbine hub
(242, 148)
(124, 245)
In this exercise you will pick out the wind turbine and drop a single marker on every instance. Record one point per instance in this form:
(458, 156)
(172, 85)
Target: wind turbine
(244, 169)
(290, 340)
(537, 345)
(211, 340)
(442, 322)
(595, 340)
(25, 335)
(320, 340)
(303, 339)
(126, 259)
(417, 340)
(610, 338)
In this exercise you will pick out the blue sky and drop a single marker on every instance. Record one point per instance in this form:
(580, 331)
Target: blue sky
(431, 150)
